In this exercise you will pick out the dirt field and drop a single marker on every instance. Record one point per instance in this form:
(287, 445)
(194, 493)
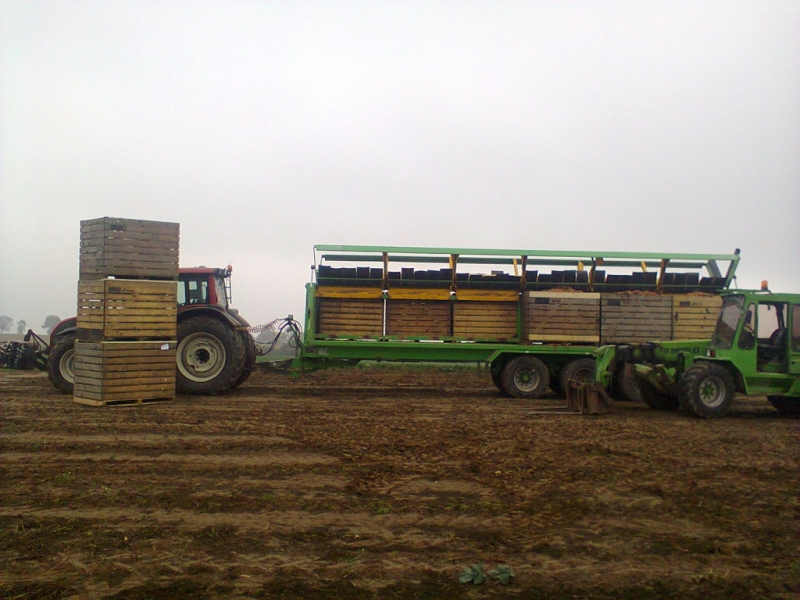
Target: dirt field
(389, 483)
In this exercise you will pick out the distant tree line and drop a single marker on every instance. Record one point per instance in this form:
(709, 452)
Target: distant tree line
(6, 323)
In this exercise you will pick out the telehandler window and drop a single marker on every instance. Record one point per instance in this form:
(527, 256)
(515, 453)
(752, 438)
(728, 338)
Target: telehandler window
(747, 339)
(796, 327)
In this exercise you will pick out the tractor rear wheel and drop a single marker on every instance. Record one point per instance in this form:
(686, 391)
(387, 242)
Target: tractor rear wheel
(525, 377)
(706, 390)
(60, 365)
(250, 354)
(211, 356)
(786, 405)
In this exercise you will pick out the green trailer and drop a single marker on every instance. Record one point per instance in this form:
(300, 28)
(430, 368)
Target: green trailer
(534, 317)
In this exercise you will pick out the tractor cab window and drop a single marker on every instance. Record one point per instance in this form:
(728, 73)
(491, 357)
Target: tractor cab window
(222, 292)
(772, 335)
(728, 322)
(796, 328)
(193, 291)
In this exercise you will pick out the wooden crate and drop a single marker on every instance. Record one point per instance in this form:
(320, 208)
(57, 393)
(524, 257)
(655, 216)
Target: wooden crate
(562, 317)
(418, 318)
(635, 318)
(113, 309)
(490, 321)
(124, 373)
(694, 316)
(350, 317)
(112, 247)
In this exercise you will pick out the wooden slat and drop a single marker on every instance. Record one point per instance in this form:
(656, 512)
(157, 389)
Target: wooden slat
(635, 318)
(490, 321)
(341, 317)
(114, 372)
(487, 295)
(570, 317)
(111, 309)
(694, 315)
(418, 318)
(348, 292)
(129, 248)
(418, 294)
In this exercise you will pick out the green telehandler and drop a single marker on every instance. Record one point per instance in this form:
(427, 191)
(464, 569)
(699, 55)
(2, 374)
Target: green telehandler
(754, 350)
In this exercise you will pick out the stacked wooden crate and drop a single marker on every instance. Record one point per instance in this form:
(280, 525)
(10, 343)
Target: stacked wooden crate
(127, 312)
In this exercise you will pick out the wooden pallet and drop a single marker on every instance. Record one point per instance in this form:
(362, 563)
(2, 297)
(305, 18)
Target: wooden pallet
(632, 318)
(694, 316)
(129, 248)
(124, 373)
(418, 318)
(110, 309)
(350, 317)
(562, 317)
(485, 321)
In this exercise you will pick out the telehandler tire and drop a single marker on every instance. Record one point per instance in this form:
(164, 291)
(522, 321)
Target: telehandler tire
(785, 405)
(60, 365)
(210, 356)
(525, 377)
(657, 399)
(706, 390)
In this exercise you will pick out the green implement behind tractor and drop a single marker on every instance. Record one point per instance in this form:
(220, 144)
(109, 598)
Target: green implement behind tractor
(755, 350)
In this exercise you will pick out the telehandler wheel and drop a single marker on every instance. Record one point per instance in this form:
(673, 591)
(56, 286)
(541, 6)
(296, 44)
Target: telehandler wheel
(655, 398)
(785, 405)
(706, 390)
(60, 365)
(580, 369)
(626, 387)
(525, 377)
(211, 356)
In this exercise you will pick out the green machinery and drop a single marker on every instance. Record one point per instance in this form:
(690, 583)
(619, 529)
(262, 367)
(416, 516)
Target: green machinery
(754, 349)
(534, 317)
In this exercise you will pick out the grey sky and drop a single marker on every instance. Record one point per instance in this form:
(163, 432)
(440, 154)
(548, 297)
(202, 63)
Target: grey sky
(264, 128)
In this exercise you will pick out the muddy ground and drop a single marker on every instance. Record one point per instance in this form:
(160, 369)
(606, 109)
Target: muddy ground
(389, 483)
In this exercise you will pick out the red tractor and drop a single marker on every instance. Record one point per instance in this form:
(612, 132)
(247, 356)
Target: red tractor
(215, 349)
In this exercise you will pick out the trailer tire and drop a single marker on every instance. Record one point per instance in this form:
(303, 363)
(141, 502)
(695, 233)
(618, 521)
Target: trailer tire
(525, 377)
(706, 390)
(210, 356)
(60, 365)
(786, 405)
(655, 398)
(497, 380)
(580, 369)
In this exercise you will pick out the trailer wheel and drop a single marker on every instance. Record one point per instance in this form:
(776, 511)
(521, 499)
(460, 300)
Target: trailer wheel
(785, 405)
(210, 356)
(60, 365)
(655, 398)
(580, 369)
(706, 390)
(525, 377)
(497, 380)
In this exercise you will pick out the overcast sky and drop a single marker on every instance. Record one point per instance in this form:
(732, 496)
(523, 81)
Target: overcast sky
(264, 128)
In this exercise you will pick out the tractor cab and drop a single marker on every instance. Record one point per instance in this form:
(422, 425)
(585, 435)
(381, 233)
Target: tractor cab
(204, 286)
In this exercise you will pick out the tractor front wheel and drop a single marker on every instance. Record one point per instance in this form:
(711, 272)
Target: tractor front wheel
(211, 356)
(706, 390)
(60, 364)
